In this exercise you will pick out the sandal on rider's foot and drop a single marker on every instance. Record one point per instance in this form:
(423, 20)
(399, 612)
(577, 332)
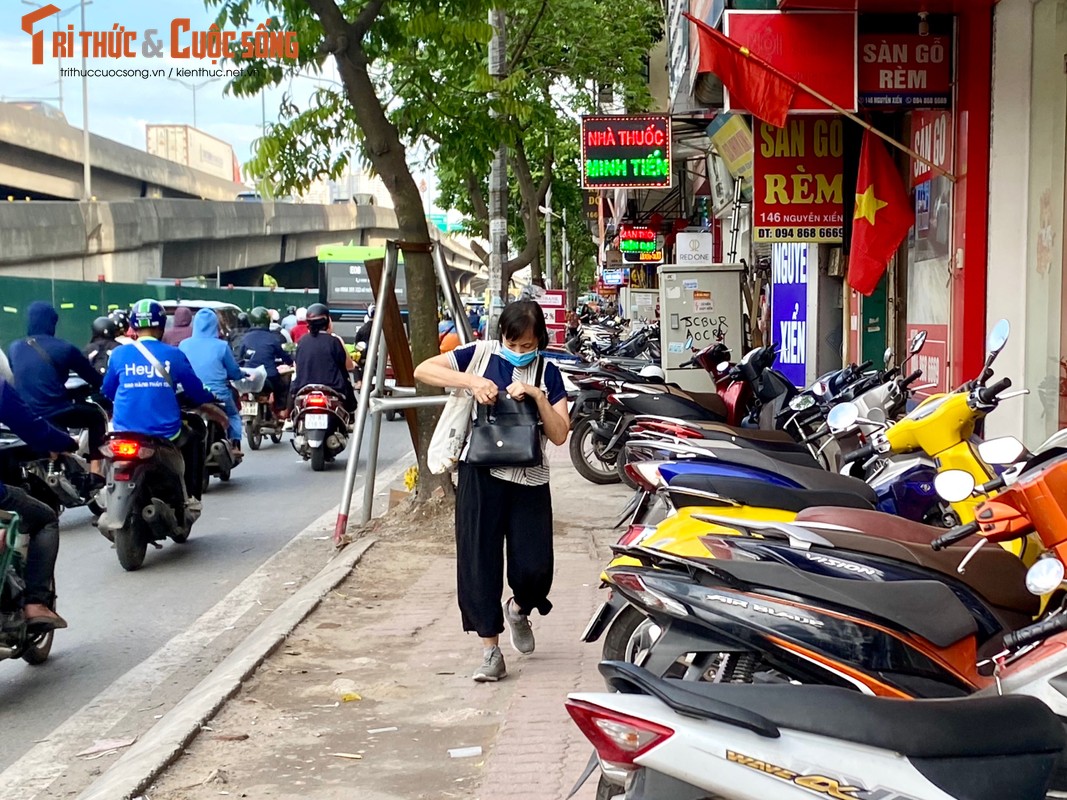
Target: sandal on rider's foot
(44, 621)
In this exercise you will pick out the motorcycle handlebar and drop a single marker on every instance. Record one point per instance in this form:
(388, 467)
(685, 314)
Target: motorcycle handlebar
(992, 486)
(957, 534)
(988, 394)
(866, 365)
(908, 381)
(860, 454)
(1035, 632)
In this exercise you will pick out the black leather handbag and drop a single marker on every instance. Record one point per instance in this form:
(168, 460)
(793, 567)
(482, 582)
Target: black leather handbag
(507, 434)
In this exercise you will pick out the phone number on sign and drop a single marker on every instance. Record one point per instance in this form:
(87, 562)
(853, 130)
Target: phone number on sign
(823, 235)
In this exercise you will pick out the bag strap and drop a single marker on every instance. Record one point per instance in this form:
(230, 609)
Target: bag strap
(480, 360)
(158, 368)
(42, 353)
(540, 371)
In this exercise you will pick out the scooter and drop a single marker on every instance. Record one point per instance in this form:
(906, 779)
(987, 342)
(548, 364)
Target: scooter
(16, 640)
(257, 413)
(320, 425)
(677, 741)
(219, 456)
(145, 498)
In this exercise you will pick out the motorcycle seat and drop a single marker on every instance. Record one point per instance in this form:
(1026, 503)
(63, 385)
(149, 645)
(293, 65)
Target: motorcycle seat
(996, 575)
(754, 492)
(967, 728)
(810, 478)
(707, 400)
(751, 434)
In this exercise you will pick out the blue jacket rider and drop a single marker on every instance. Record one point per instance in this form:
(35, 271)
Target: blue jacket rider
(38, 520)
(213, 361)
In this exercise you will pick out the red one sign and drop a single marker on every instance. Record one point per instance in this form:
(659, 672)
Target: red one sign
(905, 70)
(817, 48)
(931, 137)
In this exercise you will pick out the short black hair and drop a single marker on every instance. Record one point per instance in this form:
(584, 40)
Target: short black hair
(522, 317)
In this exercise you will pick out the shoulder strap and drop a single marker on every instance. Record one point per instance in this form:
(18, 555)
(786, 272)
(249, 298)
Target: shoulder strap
(42, 352)
(540, 371)
(480, 359)
(159, 369)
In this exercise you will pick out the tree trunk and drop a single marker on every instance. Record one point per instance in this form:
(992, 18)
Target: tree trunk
(387, 154)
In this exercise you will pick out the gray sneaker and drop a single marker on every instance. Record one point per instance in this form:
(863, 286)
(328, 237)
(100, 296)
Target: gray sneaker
(492, 668)
(522, 638)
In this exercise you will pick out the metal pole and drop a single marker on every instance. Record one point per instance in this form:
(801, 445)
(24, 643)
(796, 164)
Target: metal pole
(498, 183)
(463, 325)
(388, 276)
(194, 105)
(87, 188)
(548, 238)
(566, 264)
(59, 66)
(375, 440)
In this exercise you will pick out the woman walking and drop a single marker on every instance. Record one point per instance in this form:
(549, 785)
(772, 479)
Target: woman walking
(505, 507)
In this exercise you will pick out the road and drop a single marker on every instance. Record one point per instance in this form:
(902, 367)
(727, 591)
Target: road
(118, 619)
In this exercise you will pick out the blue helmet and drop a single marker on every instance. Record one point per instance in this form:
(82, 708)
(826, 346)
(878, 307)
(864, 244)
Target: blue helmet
(148, 313)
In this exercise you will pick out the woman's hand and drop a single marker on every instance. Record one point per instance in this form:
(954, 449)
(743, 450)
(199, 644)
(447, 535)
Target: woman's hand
(483, 389)
(520, 391)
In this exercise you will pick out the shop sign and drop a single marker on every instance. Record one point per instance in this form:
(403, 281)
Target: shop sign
(626, 152)
(613, 277)
(732, 138)
(931, 137)
(818, 48)
(590, 214)
(639, 245)
(905, 70)
(789, 309)
(693, 249)
(933, 358)
(799, 185)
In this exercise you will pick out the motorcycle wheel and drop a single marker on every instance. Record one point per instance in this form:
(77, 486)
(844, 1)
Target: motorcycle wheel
(620, 644)
(255, 438)
(583, 450)
(318, 458)
(276, 438)
(130, 547)
(205, 482)
(37, 653)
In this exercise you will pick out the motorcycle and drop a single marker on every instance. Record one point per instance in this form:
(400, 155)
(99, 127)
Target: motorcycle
(145, 497)
(257, 411)
(219, 456)
(320, 425)
(16, 640)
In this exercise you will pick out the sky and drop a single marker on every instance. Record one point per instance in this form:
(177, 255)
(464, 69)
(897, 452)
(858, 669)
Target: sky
(119, 108)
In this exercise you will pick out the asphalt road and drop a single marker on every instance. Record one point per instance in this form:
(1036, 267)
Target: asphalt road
(118, 619)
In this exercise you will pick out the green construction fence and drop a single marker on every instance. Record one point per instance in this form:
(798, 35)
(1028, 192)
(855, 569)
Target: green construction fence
(80, 302)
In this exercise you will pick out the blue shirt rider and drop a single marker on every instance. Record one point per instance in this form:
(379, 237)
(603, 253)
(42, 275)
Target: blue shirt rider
(213, 362)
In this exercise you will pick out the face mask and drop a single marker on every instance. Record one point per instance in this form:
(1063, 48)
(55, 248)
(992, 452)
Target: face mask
(517, 359)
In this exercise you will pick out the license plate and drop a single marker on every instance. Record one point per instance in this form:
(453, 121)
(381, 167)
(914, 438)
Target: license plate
(594, 621)
(316, 422)
(249, 409)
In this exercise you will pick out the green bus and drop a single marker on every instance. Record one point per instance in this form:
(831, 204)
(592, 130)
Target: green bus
(345, 288)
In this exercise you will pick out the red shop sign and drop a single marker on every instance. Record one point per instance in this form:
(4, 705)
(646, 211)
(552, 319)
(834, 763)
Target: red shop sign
(818, 48)
(905, 70)
(931, 137)
(798, 191)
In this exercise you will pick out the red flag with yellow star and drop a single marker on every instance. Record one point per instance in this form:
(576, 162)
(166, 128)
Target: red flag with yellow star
(883, 217)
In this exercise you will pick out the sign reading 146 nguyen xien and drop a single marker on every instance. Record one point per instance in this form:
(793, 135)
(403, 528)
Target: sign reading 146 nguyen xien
(626, 151)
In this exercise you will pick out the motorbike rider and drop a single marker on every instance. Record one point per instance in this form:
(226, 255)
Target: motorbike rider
(38, 520)
(301, 327)
(289, 320)
(143, 379)
(182, 327)
(321, 358)
(214, 364)
(121, 319)
(41, 364)
(262, 347)
(98, 351)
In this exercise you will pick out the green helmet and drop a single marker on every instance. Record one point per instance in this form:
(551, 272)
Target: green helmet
(259, 317)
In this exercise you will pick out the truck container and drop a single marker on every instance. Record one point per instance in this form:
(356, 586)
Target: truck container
(187, 145)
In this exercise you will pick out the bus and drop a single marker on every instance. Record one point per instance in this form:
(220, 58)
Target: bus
(345, 288)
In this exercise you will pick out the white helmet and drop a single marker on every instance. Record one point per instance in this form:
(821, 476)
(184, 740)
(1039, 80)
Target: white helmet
(652, 371)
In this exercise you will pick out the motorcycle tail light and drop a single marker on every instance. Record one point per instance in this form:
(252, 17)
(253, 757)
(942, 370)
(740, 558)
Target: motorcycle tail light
(317, 400)
(619, 739)
(635, 588)
(634, 534)
(644, 473)
(126, 450)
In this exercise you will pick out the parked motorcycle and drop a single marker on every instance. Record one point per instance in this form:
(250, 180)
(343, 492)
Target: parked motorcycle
(16, 640)
(320, 425)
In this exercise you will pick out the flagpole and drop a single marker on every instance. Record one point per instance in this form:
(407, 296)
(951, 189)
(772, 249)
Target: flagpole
(744, 51)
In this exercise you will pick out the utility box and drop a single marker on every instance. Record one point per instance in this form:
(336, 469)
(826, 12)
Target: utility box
(699, 306)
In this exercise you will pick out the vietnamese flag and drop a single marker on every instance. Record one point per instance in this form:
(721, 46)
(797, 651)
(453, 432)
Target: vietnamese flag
(883, 216)
(752, 82)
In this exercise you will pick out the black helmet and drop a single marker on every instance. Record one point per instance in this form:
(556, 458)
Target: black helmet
(290, 311)
(259, 317)
(242, 320)
(121, 320)
(105, 328)
(318, 317)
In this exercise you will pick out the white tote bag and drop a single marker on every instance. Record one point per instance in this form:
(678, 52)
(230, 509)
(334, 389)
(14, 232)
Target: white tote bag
(454, 424)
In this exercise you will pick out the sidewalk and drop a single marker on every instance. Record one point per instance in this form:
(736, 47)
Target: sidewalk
(390, 635)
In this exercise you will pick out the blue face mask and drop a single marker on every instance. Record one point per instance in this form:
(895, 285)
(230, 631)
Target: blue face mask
(517, 359)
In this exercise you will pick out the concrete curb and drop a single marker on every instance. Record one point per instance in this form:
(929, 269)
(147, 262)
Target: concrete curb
(154, 752)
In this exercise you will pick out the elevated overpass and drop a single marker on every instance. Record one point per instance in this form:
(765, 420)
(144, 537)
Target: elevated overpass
(131, 241)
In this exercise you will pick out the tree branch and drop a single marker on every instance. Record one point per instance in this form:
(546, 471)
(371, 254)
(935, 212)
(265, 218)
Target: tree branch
(365, 18)
(481, 209)
(521, 50)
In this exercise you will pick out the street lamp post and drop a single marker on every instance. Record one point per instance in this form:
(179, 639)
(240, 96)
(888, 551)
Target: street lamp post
(548, 237)
(194, 87)
(565, 245)
(59, 59)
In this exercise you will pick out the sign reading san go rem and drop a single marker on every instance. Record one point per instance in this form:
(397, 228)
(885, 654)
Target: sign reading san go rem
(798, 184)
(626, 152)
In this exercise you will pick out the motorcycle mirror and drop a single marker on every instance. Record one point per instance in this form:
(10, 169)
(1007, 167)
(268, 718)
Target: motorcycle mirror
(887, 357)
(876, 416)
(722, 366)
(917, 342)
(843, 416)
(802, 402)
(1044, 576)
(819, 388)
(954, 485)
(1003, 450)
(998, 337)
